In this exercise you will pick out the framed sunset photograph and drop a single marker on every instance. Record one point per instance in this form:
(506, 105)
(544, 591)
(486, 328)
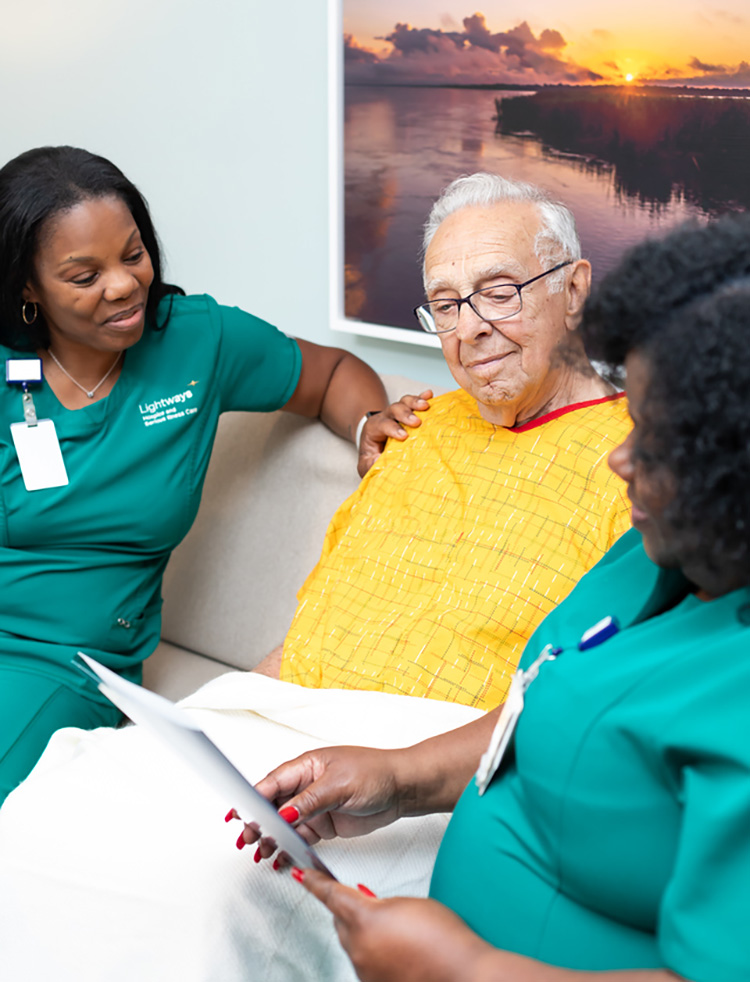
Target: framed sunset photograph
(636, 116)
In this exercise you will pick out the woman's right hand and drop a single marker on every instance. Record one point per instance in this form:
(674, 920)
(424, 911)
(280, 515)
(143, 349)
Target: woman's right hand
(336, 791)
(389, 424)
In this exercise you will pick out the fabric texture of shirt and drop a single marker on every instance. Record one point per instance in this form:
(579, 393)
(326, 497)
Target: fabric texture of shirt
(81, 565)
(615, 834)
(458, 541)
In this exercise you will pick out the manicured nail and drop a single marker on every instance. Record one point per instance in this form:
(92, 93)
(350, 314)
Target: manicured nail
(257, 857)
(298, 874)
(289, 814)
(230, 815)
(366, 890)
(241, 841)
(276, 864)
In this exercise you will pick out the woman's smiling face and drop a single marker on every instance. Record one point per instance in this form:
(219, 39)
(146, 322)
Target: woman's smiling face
(92, 276)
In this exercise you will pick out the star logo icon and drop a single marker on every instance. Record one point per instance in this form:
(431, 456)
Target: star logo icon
(194, 382)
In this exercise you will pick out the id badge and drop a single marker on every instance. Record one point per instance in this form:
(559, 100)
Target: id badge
(506, 724)
(39, 454)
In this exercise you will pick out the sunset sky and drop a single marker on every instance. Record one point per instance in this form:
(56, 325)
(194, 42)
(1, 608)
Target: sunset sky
(689, 41)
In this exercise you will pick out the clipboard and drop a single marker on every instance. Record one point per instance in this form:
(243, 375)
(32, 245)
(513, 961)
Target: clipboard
(175, 728)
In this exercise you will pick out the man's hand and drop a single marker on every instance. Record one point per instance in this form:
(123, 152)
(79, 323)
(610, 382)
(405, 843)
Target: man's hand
(389, 424)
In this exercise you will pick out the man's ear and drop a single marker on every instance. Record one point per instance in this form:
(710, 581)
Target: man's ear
(578, 289)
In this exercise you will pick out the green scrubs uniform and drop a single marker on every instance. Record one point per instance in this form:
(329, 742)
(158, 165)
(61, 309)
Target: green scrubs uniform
(616, 833)
(81, 566)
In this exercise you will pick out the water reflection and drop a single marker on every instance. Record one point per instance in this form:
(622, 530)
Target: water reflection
(403, 145)
(471, 145)
(371, 200)
(659, 144)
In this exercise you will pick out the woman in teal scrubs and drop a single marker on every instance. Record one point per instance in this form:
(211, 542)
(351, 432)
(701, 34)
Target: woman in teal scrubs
(135, 375)
(614, 836)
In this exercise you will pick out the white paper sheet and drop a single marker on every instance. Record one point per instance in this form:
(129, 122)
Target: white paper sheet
(186, 739)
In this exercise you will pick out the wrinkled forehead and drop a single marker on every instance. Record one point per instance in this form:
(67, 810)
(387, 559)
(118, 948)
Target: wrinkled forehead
(477, 243)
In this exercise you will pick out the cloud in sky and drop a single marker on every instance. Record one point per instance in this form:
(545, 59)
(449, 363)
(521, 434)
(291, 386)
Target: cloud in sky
(707, 75)
(354, 53)
(701, 66)
(474, 54)
(723, 17)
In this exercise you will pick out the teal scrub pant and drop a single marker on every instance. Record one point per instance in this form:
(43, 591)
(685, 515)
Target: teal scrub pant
(32, 707)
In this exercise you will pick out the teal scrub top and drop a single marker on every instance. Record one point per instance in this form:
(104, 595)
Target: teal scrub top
(81, 566)
(616, 834)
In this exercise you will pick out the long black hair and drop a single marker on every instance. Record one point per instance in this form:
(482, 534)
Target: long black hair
(36, 186)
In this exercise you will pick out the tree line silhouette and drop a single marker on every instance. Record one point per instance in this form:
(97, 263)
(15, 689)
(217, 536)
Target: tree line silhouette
(657, 142)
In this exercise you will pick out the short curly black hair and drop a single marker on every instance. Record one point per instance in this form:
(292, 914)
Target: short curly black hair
(683, 304)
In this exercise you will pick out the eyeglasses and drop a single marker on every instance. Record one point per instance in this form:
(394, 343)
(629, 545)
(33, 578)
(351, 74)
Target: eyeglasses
(493, 303)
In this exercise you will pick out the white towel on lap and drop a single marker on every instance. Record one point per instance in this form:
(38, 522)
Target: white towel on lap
(116, 863)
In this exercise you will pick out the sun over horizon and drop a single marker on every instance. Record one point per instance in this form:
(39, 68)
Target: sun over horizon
(690, 43)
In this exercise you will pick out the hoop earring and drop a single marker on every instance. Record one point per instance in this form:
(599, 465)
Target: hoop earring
(26, 319)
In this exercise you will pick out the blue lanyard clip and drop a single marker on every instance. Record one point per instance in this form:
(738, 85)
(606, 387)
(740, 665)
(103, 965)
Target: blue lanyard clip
(600, 632)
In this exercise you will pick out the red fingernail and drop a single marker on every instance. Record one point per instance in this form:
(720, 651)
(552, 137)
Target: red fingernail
(257, 857)
(276, 864)
(241, 841)
(297, 874)
(366, 890)
(289, 814)
(230, 815)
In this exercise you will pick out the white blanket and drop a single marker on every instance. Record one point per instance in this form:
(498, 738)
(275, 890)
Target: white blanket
(116, 864)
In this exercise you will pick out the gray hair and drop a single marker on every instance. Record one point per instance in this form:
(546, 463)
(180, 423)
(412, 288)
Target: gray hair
(556, 240)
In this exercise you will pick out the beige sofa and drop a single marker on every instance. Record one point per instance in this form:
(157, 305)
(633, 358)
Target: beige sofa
(272, 486)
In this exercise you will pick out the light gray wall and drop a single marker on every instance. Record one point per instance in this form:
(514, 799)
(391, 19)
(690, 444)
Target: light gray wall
(218, 112)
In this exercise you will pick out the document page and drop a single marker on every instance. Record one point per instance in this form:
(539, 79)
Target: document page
(172, 725)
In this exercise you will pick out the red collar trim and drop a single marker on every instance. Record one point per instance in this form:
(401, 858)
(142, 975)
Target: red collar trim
(548, 417)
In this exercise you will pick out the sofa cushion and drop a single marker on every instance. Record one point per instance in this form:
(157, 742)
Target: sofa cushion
(176, 672)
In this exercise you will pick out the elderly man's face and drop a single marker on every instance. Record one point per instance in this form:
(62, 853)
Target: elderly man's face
(512, 367)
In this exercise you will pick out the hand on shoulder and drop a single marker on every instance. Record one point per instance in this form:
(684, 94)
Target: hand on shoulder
(389, 424)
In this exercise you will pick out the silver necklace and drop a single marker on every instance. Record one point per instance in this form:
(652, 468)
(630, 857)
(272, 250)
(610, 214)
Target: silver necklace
(89, 392)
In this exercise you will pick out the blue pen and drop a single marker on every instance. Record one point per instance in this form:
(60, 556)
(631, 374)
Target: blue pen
(600, 632)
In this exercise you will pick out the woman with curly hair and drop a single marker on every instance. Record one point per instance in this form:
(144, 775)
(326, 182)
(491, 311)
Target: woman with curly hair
(612, 838)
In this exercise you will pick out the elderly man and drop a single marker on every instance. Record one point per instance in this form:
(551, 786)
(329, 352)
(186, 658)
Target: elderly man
(459, 540)
(433, 574)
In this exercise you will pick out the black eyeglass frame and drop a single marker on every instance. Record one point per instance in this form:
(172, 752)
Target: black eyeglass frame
(460, 301)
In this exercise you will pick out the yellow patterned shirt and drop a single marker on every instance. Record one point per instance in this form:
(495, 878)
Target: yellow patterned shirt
(458, 541)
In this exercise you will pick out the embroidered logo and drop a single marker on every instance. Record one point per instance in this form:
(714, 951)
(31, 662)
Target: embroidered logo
(170, 407)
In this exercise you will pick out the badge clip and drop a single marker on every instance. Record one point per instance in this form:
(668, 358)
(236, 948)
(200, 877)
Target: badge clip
(514, 703)
(25, 372)
(29, 409)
